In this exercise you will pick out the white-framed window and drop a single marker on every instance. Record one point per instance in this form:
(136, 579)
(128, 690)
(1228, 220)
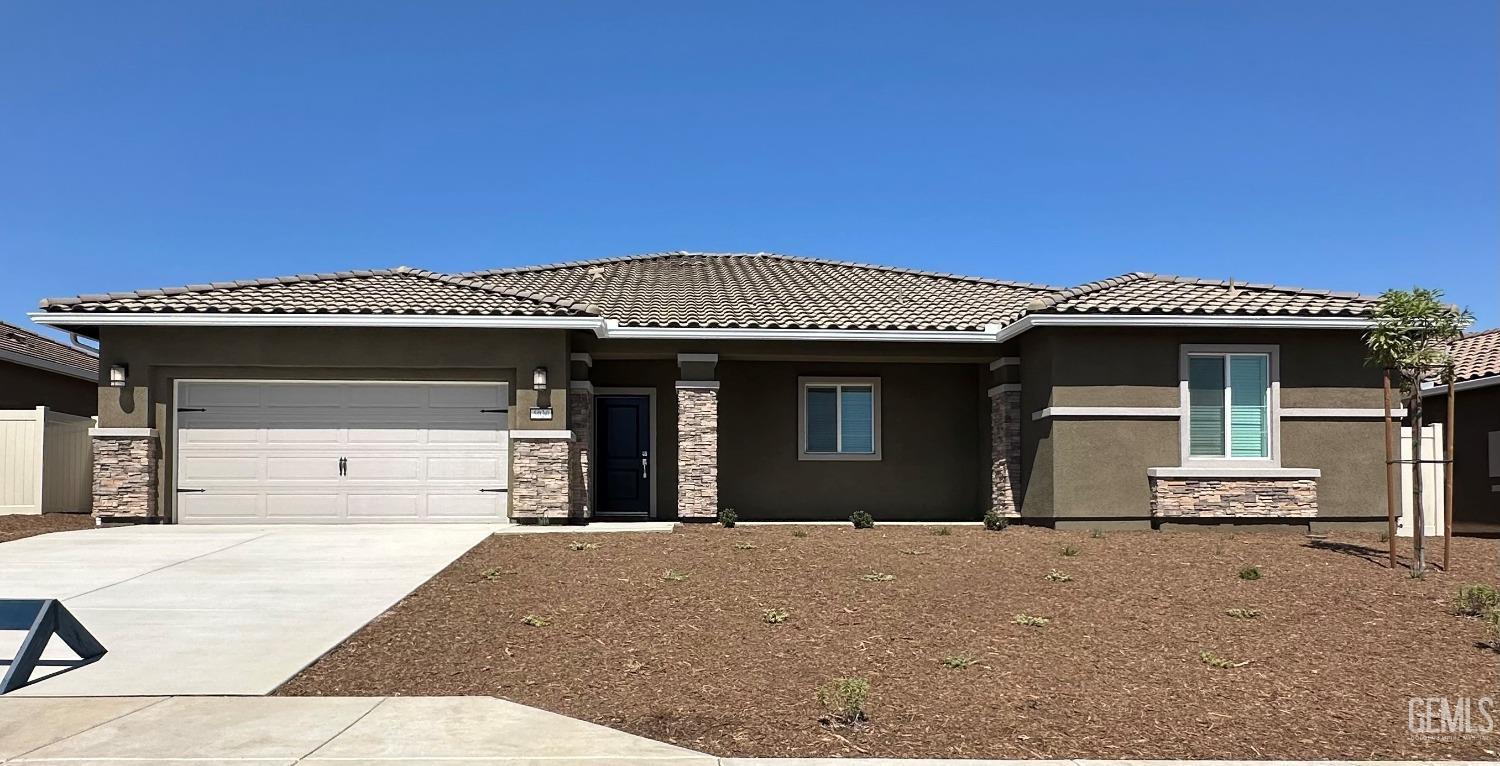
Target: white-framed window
(838, 418)
(1230, 402)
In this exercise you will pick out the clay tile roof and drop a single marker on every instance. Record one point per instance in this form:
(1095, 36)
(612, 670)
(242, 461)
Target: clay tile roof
(400, 290)
(1141, 293)
(765, 290)
(1477, 355)
(16, 342)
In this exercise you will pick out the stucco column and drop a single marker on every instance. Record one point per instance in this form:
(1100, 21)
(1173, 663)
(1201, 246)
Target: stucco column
(125, 478)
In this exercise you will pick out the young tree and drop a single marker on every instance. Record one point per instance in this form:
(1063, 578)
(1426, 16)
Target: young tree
(1412, 336)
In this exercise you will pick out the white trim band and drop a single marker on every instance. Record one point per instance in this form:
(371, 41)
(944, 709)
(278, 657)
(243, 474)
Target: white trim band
(540, 435)
(1339, 412)
(698, 384)
(1005, 361)
(581, 356)
(1107, 412)
(581, 385)
(121, 433)
(1209, 472)
(699, 358)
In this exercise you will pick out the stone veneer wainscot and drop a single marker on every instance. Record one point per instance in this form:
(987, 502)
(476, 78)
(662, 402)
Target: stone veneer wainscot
(539, 487)
(697, 451)
(125, 463)
(1233, 497)
(1005, 449)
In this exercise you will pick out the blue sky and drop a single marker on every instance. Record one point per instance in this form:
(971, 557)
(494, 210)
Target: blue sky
(1350, 145)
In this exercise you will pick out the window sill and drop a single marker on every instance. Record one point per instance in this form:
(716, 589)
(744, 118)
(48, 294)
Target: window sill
(1231, 472)
(853, 457)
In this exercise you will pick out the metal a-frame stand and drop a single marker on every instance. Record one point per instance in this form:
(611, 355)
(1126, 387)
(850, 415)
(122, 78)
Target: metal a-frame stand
(42, 619)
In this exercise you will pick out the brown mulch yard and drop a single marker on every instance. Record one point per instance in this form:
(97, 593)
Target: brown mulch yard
(19, 525)
(1340, 644)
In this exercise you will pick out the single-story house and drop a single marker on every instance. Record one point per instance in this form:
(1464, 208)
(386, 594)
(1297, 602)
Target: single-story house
(36, 371)
(1476, 447)
(669, 386)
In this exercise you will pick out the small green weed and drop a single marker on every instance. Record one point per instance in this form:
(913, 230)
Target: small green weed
(774, 616)
(1056, 576)
(1476, 600)
(1214, 660)
(577, 545)
(1242, 614)
(1030, 621)
(1096, 533)
(673, 575)
(494, 573)
(799, 533)
(845, 700)
(941, 531)
(744, 546)
(1069, 550)
(535, 621)
(958, 661)
(1249, 573)
(913, 552)
(877, 577)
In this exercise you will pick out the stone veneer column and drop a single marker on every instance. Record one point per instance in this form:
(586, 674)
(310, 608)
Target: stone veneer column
(540, 474)
(1005, 448)
(580, 475)
(697, 450)
(125, 478)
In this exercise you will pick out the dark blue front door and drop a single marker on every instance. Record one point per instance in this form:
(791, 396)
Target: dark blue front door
(624, 459)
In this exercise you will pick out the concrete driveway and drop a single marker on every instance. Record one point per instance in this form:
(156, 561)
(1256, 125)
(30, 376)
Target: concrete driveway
(217, 610)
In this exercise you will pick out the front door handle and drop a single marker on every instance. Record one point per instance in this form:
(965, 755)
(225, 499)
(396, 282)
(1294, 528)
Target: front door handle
(645, 472)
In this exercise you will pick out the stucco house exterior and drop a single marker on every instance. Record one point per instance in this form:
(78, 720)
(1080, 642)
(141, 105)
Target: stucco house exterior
(671, 385)
(1476, 448)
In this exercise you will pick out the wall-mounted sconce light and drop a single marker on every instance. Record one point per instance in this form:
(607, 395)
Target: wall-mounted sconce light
(539, 379)
(117, 375)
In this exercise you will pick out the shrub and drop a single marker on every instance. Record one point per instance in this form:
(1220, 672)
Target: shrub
(1214, 660)
(1476, 600)
(1056, 576)
(994, 522)
(1242, 614)
(1249, 573)
(1069, 550)
(877, 577)
(727, 517)
(535, 621)
(958, 661)
(582, 546)
(942, 531)
(862, 520)
(1030, 621)
(774, 616)
(673, 575)
(845, 699)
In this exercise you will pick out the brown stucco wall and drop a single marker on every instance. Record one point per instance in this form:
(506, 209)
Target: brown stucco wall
(158, 356)
(1478, 413)
(1093, 467)
(934, 446)
(25, 388)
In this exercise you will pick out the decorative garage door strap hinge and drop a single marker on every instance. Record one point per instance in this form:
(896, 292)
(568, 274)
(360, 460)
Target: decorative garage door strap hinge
(192, 409)
(492, 489)
(492, 410)
(179, 489)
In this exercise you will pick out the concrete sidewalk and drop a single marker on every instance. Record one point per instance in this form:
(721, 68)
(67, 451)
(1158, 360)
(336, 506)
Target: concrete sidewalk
(349, 731)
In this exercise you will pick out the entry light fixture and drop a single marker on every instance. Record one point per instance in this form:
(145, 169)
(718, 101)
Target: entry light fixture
(539, 379)
(117, 375)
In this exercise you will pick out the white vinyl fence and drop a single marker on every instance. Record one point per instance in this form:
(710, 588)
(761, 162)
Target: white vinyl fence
(46, 462)
(1432, 483)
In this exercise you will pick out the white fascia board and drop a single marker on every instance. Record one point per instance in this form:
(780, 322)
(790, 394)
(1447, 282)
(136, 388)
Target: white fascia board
(1181, 320)
(1463, 385)
(46, 364)
(613, 330)
(69, 319)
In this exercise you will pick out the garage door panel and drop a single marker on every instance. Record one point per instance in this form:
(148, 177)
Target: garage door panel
(374, 505)
(304, 506)
(460, 468)
(466, 506)
(271, 451)
(220, 468)
(220, 506)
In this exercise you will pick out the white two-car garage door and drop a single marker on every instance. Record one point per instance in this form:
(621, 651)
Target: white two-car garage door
(274, 452)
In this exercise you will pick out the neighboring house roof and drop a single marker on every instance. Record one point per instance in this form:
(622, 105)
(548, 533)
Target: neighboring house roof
(761, 290)
(1140, 293)
(1477, 356)
(724, 291)
(28, 348)
(400, 290)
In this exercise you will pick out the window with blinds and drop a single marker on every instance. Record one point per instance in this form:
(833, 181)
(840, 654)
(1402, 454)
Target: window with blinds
(840, 419)
(1229, 412)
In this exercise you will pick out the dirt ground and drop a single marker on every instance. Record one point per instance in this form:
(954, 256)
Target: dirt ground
(1326, 670)
(19, 525)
